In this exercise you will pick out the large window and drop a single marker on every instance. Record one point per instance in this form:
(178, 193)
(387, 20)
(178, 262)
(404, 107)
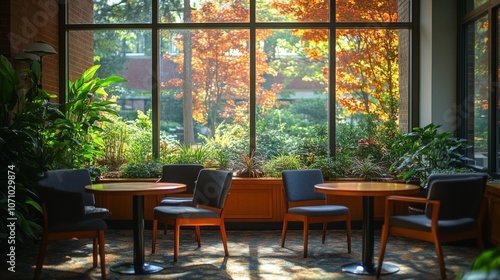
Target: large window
(480, 73)
(276, 77)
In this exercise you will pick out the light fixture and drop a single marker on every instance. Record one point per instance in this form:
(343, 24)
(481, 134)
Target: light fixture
(40, 48)
(27, 57)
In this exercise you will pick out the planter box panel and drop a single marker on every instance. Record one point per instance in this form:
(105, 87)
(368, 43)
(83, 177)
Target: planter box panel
(254, 200)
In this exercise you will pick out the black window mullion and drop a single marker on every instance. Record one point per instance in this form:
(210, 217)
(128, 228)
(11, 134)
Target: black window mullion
(253, 79)
(332, 81)
(155, 78)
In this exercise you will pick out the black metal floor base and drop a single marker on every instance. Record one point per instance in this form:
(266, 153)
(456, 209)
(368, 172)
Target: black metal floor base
(128, 268)
(357, 268)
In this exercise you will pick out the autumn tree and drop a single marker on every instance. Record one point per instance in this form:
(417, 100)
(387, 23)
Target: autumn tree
(367, 60)
(220, 74)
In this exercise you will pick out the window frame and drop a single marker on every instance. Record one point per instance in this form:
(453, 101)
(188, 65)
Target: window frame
(155, 26)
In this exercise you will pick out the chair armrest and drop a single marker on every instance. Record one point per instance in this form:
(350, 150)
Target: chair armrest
(413, 199)
(390, 200)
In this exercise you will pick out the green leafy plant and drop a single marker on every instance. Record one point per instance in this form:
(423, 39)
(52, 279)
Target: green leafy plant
(315, 146)
(249, 166)
(485, 266)
(143, 169)
(23, 110)
(195, 154)
(367, 168)
(35, 135)
(276, 164)
(115, 136)
(330, 167)
(416, 154)
(72, 139)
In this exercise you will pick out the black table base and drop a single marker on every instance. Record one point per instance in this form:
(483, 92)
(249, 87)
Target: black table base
(357, 268)
(139, 266)
(129, 268)
(367, 267)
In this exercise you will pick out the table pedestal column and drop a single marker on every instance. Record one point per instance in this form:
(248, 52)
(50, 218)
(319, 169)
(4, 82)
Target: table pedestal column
(367, 267)
(139, 266)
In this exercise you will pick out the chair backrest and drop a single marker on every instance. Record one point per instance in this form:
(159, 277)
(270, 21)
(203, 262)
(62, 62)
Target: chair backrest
(181, 173)
(212, 187)
(299, 184)
(460, 195)
(69, 180)
(61, 206)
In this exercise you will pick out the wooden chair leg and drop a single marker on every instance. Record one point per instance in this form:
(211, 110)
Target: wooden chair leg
(102, 254)
(348, 230)
(224, 238)
(41, 256)
(177, 230)
(94, 251)
(383, 243)
(306, 236)
(283, 231)
(439, 253)
(153, 239)
(197, 235)
(323, 236)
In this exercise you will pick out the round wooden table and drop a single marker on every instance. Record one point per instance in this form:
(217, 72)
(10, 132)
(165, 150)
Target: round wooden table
(368, 190)
(137, 190)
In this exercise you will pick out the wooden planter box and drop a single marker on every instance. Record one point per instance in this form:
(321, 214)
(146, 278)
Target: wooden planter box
(250, 200)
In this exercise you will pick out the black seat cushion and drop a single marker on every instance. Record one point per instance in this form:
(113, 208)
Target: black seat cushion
(176, 212)
(177, 201)
(319, 210)
(92, 212)
(422, 223)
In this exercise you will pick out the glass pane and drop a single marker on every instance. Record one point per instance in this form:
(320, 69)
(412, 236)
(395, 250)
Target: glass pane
(124, 53)
(372, 78)
(373, 10)
(477, 91)
(109, 11)
(205, 78)
(204, 11)
(292, 11)
(292, 92)
(470, 5)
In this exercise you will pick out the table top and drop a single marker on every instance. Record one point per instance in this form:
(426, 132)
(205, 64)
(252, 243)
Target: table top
(367, 188)
(136, 188)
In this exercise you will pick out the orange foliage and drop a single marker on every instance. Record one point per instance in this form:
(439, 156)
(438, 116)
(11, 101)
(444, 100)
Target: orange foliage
(221, 67)
(367, 62)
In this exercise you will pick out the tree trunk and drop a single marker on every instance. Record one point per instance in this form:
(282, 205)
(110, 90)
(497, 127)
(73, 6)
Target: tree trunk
(187, 86)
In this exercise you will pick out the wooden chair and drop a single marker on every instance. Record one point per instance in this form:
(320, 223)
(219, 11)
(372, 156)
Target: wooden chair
(184, 174)
(303, 204)
(74, 180)
(63, 219)
(454, 211)
(212, 189)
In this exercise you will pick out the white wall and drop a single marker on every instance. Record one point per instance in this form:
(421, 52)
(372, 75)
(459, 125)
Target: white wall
(438, 63)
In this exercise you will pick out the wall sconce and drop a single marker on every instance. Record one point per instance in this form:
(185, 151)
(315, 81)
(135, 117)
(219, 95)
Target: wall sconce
(40, 49)
(27, 57)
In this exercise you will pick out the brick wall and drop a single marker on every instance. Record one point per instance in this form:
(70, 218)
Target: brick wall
(25, 21)
(81, 43)
(36, 20)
